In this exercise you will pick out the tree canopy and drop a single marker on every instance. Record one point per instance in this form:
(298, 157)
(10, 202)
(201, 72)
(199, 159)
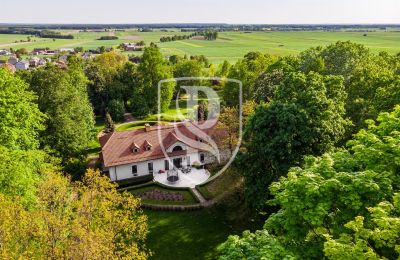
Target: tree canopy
(20, 117)
(343, 204)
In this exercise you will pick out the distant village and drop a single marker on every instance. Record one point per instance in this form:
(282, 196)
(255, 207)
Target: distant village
(41, 56)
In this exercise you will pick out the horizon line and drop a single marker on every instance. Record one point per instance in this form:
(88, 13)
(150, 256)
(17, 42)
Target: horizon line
(195, 23)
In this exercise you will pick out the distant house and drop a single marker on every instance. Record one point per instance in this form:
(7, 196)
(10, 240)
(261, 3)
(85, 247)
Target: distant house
(63, 58)
(61, 64)
(50, 52)
(131, 47)
(13, 60)
(22, 65)
(87, 55)
(5, 52)
(69, 50)
(8, 66)
(34, 62)
(37, 51)
(42, 62)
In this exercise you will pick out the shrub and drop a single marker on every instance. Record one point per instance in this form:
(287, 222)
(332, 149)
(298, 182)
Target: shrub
(116, 109)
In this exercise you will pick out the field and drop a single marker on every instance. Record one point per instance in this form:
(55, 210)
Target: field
(229, 45)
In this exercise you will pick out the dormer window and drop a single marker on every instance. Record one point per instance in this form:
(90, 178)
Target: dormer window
(135, 148)
(147, 145)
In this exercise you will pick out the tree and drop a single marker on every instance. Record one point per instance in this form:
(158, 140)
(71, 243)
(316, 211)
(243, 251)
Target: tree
(371, 239)
(245, 70)
(223, 69)
(266, 84)
(105, 73)
(21, 52)
(340, 58)
(305, 118)
(152, 69)
(110, 126)
(258, 245)
(88, 219)
(228, 128)
(116, 109)
(19, 173)
(62, 96)
(228, 124)
(373, 88)
(20, 118)
(188, 68)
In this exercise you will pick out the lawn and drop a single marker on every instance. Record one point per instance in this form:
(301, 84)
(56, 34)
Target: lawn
(228, 179)
(136, 125)
(186, 235)
(229, 45)
(94, 145)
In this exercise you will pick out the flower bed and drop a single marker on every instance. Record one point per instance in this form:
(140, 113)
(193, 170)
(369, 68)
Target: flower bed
(156, 194)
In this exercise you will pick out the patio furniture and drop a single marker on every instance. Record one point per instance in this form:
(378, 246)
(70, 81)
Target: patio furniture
(172, 175)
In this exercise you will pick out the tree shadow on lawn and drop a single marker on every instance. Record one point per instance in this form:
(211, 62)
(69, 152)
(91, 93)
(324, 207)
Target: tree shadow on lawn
(186, 235)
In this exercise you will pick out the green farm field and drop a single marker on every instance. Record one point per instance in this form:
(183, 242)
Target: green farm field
(229, 45)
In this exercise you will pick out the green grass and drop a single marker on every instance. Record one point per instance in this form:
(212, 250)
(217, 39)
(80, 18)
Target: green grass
(228, 179)
(186, 235)
(94, 145)
(229, 46)
(188, 197)
(136, 125)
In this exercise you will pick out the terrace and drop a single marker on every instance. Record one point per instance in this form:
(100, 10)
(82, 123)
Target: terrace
(190, 179)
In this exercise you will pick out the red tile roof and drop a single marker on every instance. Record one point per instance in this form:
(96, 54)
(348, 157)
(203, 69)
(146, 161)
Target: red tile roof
(117, 148)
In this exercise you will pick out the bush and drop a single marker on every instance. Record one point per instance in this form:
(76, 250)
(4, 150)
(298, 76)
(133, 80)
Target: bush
(105, 38)
(116, 109)
(197, 165)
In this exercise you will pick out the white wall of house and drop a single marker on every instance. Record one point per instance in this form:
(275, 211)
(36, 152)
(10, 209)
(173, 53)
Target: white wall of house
(121, 172)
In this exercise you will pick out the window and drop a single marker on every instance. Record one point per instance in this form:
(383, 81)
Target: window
(148, 148)
(177, 148)
(150, 166)
(188, 160)
(166, 163)
(202, 157)
(134, 170)
(135, 150)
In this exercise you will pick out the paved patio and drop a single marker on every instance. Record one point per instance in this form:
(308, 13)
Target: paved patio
(195, 177)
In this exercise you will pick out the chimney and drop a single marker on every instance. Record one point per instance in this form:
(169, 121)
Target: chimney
(147, 127)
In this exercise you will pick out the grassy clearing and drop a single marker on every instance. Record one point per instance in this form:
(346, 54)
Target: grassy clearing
(136, 125)
(188, 197)
(225, 182)
(186, 235)
(229, 46)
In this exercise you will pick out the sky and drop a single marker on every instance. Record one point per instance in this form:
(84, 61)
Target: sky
(201, 11)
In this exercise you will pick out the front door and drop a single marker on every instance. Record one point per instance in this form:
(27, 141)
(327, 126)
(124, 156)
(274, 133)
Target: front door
(177, 163)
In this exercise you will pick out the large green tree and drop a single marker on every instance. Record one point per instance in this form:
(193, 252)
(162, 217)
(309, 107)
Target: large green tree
(109, 79)
(20, 117)
(247, 71)
(305, 118)
(62, 96)
(153, 68)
